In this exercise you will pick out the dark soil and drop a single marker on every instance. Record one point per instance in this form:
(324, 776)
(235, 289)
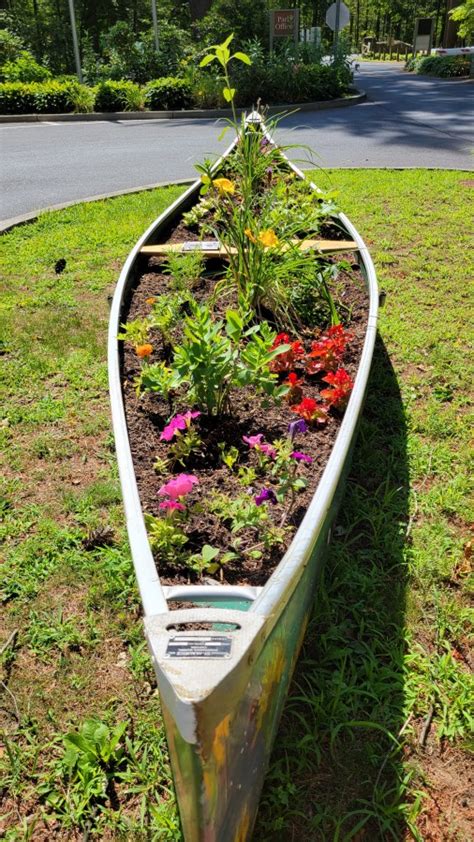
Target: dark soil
(148, 414)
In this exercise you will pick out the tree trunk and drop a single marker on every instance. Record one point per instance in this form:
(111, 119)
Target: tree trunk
(450, 37)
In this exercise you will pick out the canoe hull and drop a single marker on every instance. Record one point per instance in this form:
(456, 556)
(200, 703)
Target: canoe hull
(221, 713)
(219, 779)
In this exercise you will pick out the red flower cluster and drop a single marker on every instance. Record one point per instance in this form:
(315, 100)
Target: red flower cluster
(312, 411)
(342, 383)
(287, 360)
(327, 352)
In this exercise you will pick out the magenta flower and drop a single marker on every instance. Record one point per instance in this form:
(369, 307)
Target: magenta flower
(258, 443)
(179, 422)
(179, 486)
(299, 426)
(301, 457)
(267, 495)
(253, 441)
(172, 505)
(268, 450)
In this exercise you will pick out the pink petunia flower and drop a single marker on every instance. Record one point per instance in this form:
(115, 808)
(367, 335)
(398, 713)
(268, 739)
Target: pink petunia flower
(172, 505)
(253, 441)
(179, 486)
(258, 443)
(179, 422)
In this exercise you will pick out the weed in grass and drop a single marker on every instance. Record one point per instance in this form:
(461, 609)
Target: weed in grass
(51, 631)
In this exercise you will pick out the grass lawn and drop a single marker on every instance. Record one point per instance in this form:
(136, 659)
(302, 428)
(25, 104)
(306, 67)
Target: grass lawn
(375, 736)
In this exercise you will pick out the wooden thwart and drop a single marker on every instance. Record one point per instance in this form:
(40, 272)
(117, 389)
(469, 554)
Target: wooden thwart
(216, 250)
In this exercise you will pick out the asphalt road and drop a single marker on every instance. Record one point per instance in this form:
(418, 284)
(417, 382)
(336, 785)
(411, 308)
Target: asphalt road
(408, 121)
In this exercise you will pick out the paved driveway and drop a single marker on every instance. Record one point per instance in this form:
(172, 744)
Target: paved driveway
(408, 121)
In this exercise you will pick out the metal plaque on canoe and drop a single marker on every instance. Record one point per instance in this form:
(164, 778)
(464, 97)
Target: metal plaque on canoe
(199, 646)
(205, 245)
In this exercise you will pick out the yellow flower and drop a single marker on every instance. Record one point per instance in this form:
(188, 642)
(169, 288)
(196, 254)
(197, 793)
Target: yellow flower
(268, 238)
(224, 185)
(249, 234)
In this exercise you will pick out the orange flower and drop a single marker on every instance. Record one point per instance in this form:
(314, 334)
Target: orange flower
(224, 185)
(251, 236)
(150, 301)
(144, 350)
(268, 238)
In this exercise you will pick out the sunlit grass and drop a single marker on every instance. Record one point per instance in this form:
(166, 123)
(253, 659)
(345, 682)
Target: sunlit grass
(388, 646)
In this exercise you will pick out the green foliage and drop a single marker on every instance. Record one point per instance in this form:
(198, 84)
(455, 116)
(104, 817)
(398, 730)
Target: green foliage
(92, 758)
(166, 538)
(277, 80)
(222, 55)
(128, 55)
(118, 96)
(214, 358)
(185, 270)
(205, 561)
(38, 97)
(167, 312)
(246, 19)
(157, 377)
(464, 17)
(11, 46)
(443, 66)
(24, 68)
(168, 93)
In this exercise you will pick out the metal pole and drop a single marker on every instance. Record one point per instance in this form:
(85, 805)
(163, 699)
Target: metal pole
(155, 25)
(338, 15)
(74, 40)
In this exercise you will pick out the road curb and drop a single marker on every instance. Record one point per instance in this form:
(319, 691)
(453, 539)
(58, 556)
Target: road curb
(7, 224)
(196, 114)
(32, 216)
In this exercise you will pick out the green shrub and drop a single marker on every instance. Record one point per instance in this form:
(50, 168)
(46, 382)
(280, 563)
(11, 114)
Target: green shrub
(118, 96)
(206, 89)
(168, 94)
(24, 69)
(10, 46)
(277, 81)
(37, 97)
(446, 67)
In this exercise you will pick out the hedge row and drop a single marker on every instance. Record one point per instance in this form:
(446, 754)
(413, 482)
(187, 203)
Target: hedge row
(446, 67)
(296, 83)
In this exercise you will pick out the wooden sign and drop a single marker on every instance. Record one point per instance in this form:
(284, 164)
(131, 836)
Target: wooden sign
(284, 23)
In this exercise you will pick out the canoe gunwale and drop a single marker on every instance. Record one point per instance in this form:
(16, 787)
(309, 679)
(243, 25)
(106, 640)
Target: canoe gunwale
(273, 596)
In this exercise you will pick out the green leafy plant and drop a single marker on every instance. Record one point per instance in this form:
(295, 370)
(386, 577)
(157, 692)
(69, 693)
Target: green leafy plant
(166, 537)
(215, 357)
(92, 758)
(135, 331)
(222, 54)
(205, 561)
(157, 377)
(185, 270)
(229, 455)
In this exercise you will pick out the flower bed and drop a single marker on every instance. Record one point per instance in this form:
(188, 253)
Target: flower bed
(237, 370)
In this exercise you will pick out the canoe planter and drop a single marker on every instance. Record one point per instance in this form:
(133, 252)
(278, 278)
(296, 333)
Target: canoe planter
(224, 652)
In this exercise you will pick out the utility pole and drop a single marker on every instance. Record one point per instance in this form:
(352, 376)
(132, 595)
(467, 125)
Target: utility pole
(155, 25)
(338, 15)
(74, 40)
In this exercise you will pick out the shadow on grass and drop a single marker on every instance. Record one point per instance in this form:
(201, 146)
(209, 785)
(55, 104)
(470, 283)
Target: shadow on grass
(336, 770)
